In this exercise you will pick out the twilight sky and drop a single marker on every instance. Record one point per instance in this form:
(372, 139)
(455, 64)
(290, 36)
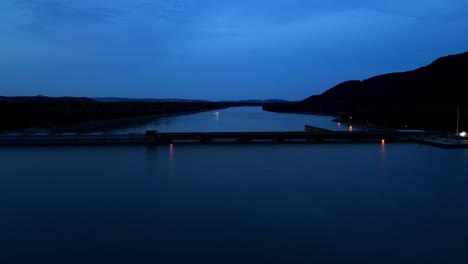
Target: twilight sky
(217, 49)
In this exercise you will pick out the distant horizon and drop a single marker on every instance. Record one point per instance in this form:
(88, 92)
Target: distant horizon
(216, 100)
(218, 50)
(148, 98)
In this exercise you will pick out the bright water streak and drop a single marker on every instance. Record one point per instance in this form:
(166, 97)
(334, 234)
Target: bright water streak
(236, 119)
(334, 203)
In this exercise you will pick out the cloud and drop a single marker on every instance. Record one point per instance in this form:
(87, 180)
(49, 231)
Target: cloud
(175, 11)
(46, 13)
(429, 10)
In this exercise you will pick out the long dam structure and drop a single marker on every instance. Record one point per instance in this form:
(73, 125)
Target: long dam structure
(166, 138)
(156, 138)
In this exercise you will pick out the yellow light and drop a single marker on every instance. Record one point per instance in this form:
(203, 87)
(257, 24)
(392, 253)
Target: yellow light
(383, 141)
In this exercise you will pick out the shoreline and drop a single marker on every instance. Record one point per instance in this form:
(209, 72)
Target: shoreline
(105, 125)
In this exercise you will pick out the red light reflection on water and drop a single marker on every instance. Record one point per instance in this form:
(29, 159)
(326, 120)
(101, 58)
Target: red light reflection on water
(171, 160)
(171, 153)
(350, 128)
(383, 153)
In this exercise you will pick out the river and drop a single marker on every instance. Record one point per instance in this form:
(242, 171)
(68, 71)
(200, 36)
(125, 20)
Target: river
(254, 203)
(236, 119)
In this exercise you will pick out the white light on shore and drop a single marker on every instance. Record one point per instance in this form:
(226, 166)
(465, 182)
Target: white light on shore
(463, 134)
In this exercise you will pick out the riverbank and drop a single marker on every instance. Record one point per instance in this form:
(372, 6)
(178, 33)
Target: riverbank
(105, 125)
(337, 119)
(118, 123)
(446, 143)
(87, 115)
(438, 117)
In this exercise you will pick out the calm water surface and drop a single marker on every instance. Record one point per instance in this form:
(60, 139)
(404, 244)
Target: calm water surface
(236, 119)
(284, 203)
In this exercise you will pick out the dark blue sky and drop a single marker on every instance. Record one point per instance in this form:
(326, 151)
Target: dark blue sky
(217, 49)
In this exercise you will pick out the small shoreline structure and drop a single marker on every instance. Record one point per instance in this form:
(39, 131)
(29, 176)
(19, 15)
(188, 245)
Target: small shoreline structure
(446, 143)
(450, 142)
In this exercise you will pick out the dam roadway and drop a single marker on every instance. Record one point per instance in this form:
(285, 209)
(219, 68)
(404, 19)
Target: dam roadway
(155, 138)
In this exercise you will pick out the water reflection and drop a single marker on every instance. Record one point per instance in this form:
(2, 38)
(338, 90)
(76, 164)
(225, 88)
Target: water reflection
(171, 160)
(350, 129)
(230, 199)
(216, 118)
(151, 157)
(383, 154)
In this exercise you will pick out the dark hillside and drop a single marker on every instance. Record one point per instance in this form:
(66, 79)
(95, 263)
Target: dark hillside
(425, 98)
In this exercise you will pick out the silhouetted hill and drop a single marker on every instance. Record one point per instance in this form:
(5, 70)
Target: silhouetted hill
(426, 97)
(256, 102)
(44, 99)
(119, 99)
